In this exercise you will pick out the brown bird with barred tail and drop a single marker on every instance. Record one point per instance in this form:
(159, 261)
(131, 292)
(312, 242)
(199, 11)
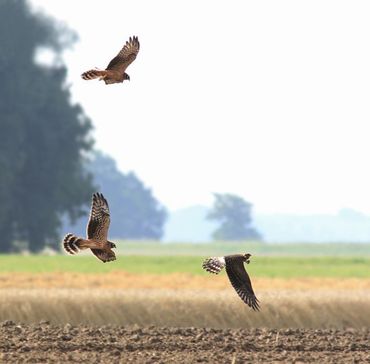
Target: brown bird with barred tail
(115, 72)
(97, 233)
(237, 274)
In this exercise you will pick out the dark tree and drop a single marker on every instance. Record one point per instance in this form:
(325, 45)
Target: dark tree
(135, 213)
(43, 136)
(234, 215)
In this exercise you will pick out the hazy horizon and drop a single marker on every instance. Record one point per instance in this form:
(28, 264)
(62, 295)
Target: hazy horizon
(346, 226)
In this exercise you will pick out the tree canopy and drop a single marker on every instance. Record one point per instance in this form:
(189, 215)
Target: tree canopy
(135, 213)
(43, 136)
(234, 215)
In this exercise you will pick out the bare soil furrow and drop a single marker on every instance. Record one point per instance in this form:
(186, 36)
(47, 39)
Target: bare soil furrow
(45, 343)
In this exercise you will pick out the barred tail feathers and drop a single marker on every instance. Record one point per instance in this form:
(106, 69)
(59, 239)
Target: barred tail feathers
(72, 244)
(92, 74)
(214, 264)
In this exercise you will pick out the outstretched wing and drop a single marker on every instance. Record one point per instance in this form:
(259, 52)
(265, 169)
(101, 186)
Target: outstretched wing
(106, 255)
(240, 280)
(214, 264)
(126, 56)
(97, 228)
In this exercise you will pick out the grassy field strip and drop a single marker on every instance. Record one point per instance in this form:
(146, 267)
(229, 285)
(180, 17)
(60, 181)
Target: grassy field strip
(229, 247)
(198, 308)
(173, 281)
(272, 267)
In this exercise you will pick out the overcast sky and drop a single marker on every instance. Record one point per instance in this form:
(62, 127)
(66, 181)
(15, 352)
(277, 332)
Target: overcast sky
(265, 99)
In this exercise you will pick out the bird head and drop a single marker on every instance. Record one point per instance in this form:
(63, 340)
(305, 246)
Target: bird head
(112, 245)
(246, 257)
(126, 77)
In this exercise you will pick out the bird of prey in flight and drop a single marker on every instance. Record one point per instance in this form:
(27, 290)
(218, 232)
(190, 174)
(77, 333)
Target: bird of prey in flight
(115, 71)
(97, 233)
(237, 274)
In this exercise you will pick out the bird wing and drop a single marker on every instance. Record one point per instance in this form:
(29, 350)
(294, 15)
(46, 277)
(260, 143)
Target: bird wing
(97, 228)
(126, 56)
(105, 255)
(214, 264)
(240, 280)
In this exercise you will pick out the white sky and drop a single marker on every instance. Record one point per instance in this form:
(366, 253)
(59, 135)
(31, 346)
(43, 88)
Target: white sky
(265, 99)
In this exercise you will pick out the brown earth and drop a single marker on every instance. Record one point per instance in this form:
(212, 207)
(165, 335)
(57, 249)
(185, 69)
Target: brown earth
(44, 343)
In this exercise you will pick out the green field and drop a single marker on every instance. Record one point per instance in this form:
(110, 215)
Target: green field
(255, 248)
(261, 266)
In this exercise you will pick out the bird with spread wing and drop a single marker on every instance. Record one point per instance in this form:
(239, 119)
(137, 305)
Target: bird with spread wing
(97, 233)
(115, 72)
(237, 274)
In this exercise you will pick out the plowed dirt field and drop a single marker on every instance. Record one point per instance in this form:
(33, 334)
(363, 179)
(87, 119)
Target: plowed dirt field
(44, 343)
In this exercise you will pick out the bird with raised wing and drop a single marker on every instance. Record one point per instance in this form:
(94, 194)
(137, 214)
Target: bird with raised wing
(237, 274)
(97, 233)
(115, 71)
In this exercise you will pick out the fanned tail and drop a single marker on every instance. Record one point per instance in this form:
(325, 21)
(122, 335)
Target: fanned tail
(71, 244)
(214, 264)
(92, 74)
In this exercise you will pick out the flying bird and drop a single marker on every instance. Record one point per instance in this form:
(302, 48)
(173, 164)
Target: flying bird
(237, 274)
(97, 233)
(115, 72)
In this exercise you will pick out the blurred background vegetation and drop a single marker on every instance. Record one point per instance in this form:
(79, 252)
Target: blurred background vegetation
(43, 137)
(49, 167)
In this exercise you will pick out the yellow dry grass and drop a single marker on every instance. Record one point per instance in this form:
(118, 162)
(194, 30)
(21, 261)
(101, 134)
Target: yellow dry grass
(178, 299)
(198, 308)
(174, 281)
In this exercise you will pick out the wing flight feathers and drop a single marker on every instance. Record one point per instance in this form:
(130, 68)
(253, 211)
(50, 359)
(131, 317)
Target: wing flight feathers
(97, 228)
(237, 274)
(240, 280)
(125, 56)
